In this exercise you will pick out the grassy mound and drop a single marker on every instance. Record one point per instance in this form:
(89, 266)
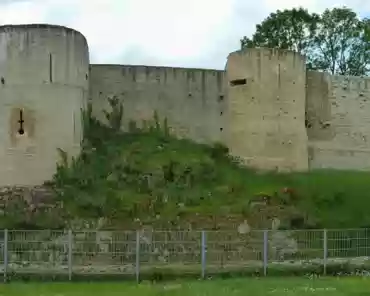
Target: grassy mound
(146, 176)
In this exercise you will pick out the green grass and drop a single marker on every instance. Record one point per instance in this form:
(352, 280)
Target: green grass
(253, 287)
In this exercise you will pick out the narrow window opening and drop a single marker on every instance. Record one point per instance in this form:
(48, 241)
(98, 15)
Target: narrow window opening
(21, 122)
(2, 80)
(50, 67)
(238, 82)
(307, 123)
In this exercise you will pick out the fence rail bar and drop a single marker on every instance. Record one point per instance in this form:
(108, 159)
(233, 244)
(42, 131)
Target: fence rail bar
(265, 252)
(137, 255)
(203, 255)
(325, 244)
(5, 255)
(70, 254)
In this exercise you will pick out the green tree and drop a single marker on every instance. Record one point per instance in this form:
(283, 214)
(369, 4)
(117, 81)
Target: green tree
(358, 58)
(288, 29)
(336, 41)
(340, 45)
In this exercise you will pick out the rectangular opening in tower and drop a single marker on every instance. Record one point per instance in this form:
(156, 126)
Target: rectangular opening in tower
(236, 82)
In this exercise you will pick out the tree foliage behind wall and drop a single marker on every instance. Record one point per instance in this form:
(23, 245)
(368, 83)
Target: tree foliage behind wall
(336, 41)
(288, 29)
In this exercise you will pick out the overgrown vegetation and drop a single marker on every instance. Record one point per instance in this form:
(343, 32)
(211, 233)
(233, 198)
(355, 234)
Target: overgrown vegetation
(145, 175)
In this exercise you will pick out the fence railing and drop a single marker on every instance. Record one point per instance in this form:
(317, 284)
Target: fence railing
(135, 253)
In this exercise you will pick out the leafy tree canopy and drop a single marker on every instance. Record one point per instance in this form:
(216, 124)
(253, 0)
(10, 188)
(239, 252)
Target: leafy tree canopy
(337, 41)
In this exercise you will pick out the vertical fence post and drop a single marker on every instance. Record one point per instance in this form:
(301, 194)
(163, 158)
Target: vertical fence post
(5, 255)
(70, 254)
(325, 239)
(203, 252)
(265, 252)
(137, 265)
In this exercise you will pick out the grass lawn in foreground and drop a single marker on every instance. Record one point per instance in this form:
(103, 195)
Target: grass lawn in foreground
(254, 287)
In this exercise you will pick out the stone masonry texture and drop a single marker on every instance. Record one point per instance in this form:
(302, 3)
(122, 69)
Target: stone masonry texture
(265, 106)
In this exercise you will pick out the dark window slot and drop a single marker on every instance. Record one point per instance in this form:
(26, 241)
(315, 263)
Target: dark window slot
(50, 67)
(238, 82)
(21, 122)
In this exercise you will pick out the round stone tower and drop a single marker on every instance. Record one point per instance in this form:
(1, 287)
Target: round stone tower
(266, 109)
(44, 75)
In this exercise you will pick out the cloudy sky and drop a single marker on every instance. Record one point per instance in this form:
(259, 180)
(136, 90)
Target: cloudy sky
(183, 33)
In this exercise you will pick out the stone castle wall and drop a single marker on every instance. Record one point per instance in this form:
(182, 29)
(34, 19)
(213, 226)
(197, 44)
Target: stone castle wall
(338, 119)
(281, 117)
(266, 107)
(193, 100)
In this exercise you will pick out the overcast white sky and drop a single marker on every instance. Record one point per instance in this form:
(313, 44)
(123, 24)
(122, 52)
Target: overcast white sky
(183, 33)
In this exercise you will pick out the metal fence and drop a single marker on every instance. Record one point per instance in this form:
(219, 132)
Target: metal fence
(135, 253)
